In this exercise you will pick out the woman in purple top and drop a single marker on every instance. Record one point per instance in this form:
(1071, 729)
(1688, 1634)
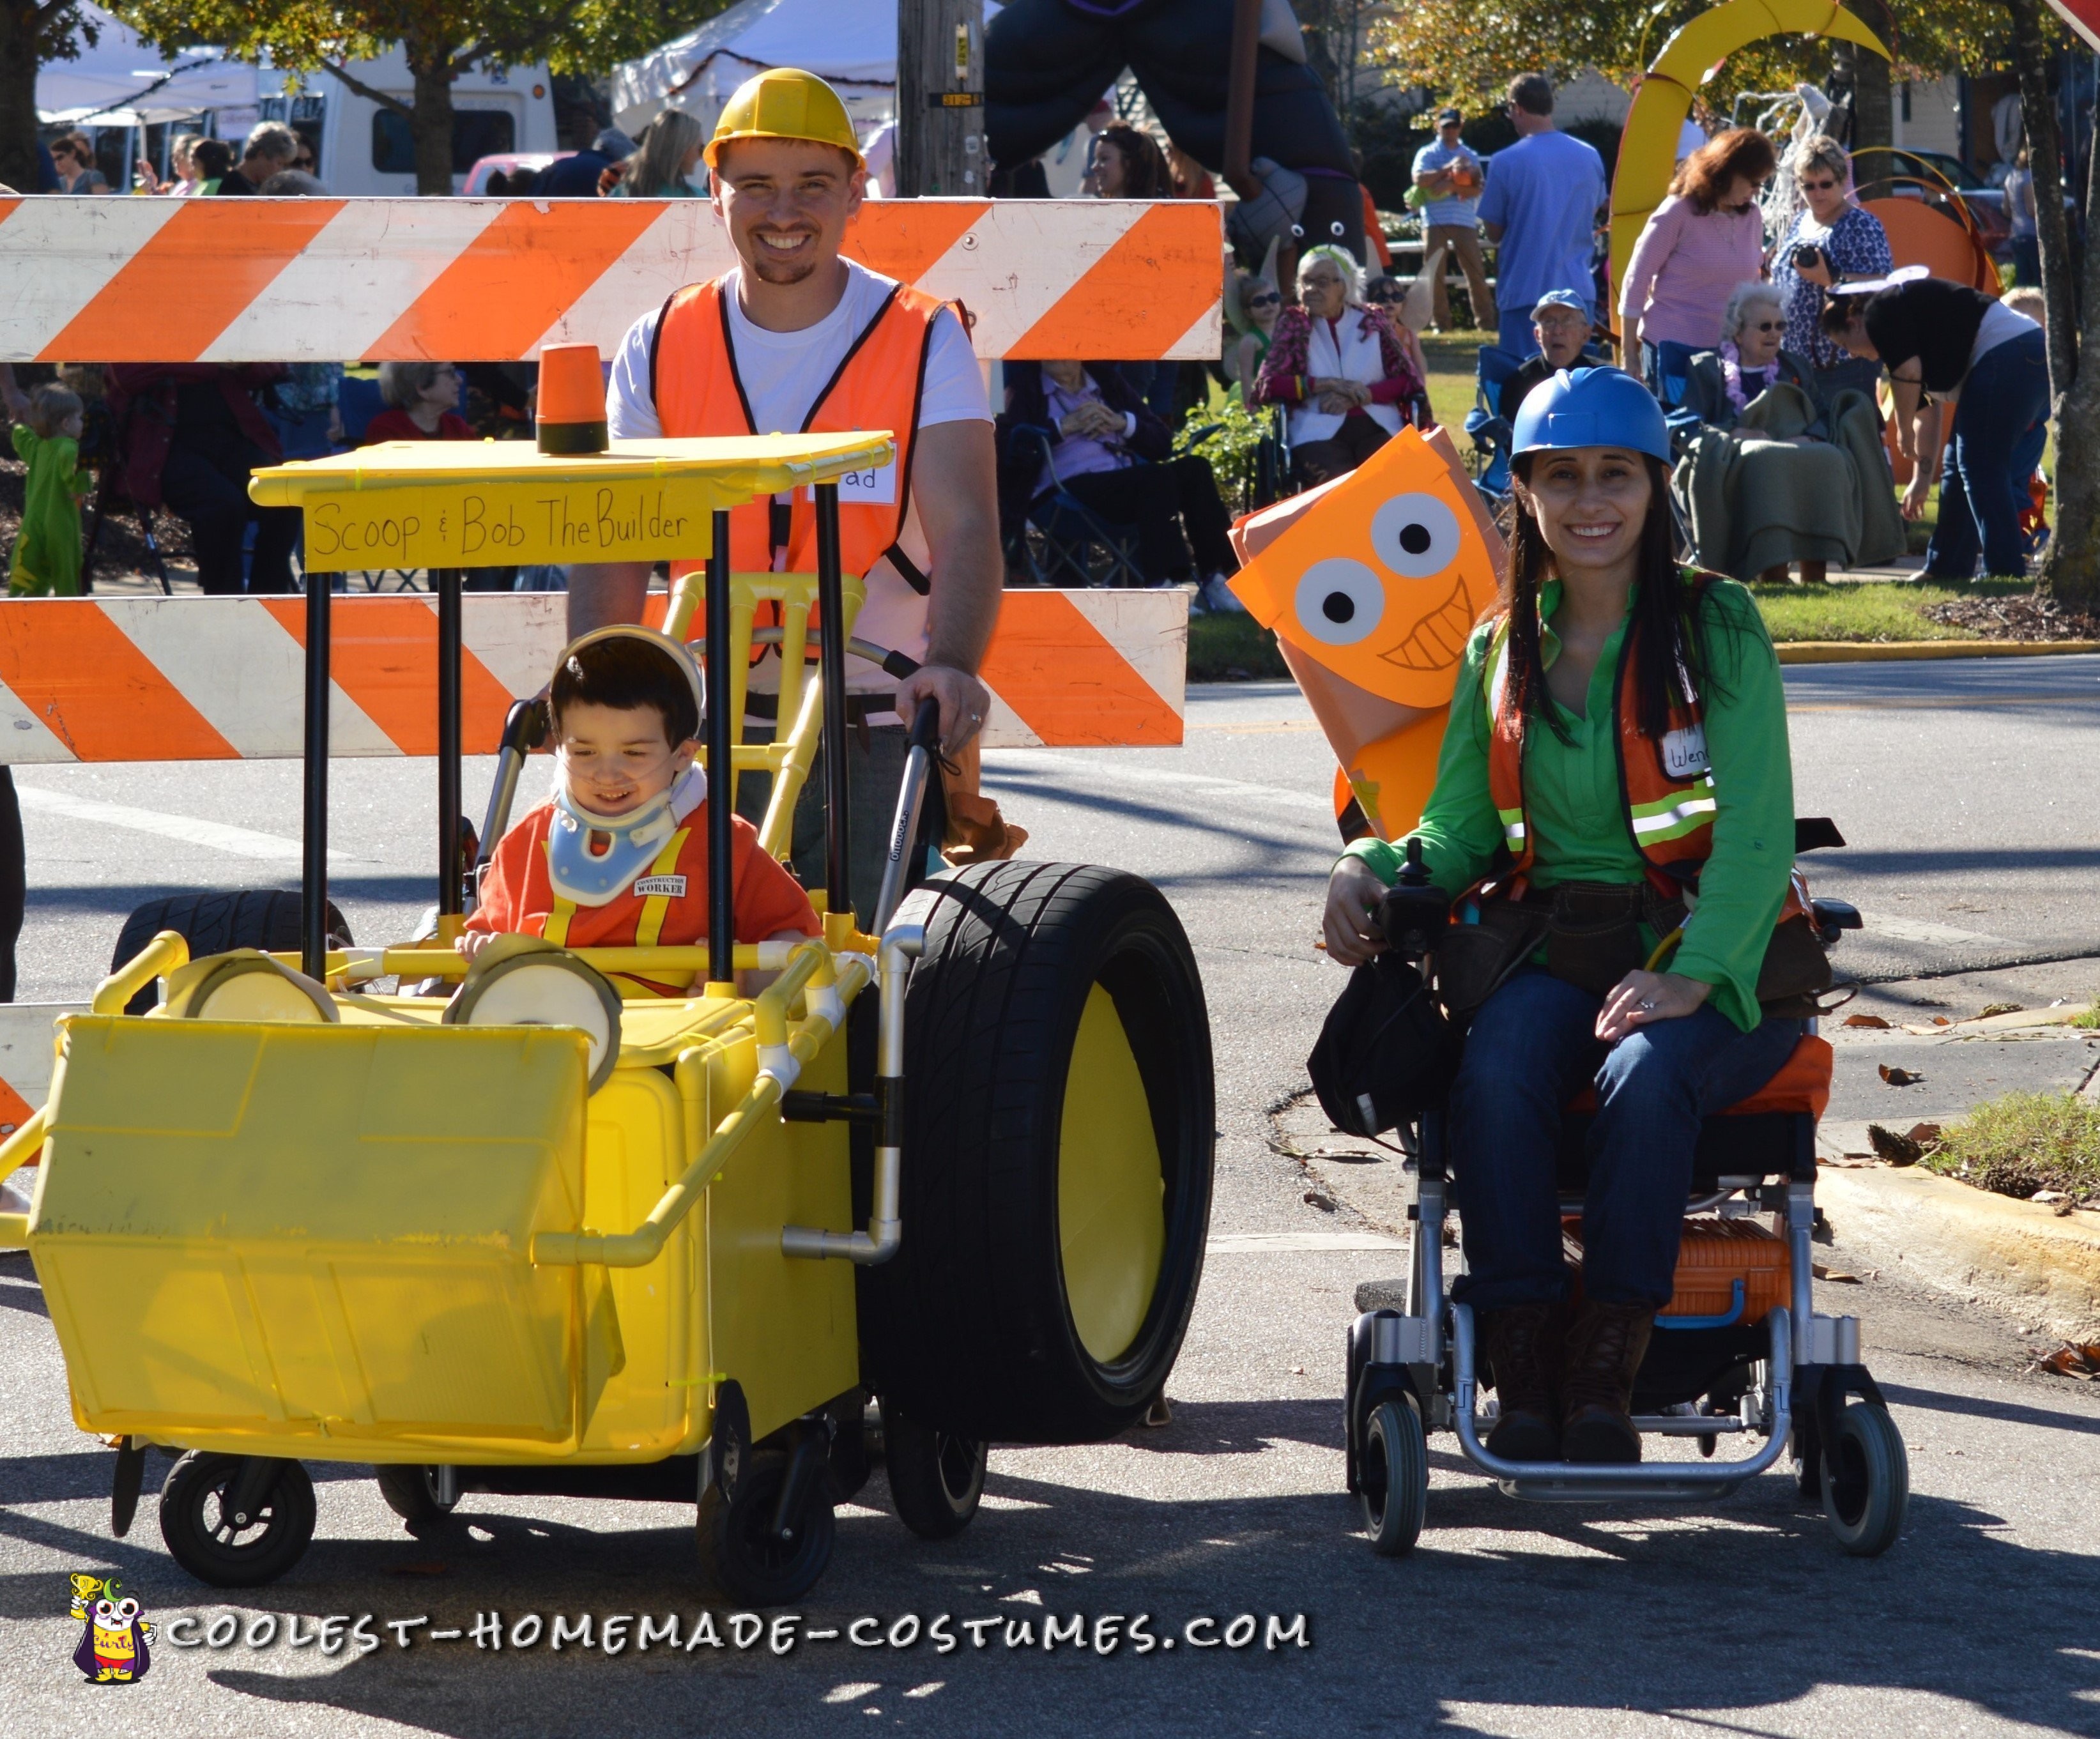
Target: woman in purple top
(1831, 241)
(1698, 244)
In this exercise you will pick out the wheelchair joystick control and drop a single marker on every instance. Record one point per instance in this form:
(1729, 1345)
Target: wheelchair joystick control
(1413, 911)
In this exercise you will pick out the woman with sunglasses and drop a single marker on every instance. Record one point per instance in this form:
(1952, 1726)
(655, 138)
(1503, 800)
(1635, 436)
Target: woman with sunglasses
(1253, 306)
(1831, 240)
(1698, 245)
(1785, 492)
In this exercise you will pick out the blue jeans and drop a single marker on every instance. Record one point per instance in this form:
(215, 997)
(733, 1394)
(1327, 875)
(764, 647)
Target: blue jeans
(2001, 427)
(1532, 1048)
(1857, 372)
(1666, 364)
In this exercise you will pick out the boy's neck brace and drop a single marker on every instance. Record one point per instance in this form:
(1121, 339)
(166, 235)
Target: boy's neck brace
(586, 878)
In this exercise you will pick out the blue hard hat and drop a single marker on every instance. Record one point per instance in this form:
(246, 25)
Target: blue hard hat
(1591, 407)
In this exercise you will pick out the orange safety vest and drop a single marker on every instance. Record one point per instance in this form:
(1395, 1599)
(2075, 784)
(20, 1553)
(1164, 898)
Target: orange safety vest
(1666, 788)
(693, 379)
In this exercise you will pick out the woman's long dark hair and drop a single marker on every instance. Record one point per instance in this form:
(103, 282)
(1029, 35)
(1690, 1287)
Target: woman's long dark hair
(1669, 663)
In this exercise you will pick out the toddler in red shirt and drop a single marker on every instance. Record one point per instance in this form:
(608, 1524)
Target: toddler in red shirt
(618, 857)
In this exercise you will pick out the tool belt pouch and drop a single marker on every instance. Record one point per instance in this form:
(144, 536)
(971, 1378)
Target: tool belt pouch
(1474, 959)
(1795, 972)
(1593, 935)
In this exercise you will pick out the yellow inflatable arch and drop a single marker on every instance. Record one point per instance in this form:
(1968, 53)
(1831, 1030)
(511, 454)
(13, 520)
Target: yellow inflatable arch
(1648, 147)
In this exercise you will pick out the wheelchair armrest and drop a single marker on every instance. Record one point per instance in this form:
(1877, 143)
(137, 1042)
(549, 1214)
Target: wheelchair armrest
(1833, 917)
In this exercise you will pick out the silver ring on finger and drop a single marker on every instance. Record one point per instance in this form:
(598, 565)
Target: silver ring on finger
(1646, 1007)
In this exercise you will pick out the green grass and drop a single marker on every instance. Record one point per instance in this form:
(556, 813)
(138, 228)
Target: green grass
(2024, 1142)
(2088, 1019)
(1871, 611)
(1231, 649)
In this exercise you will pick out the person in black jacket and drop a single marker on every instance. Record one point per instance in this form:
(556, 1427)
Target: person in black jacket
(1111, 452)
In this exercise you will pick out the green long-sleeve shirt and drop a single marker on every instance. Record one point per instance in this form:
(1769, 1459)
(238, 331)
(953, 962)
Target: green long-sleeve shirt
(46, 559)
(1576, 813)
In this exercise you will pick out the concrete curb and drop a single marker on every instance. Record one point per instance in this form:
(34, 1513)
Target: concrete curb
(1884, 651)
(2020, 1256)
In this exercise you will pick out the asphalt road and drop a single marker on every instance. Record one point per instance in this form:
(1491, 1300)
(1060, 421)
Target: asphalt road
(1963, 791)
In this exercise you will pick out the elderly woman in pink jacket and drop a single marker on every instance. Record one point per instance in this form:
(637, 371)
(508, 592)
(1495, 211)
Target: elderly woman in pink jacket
(1698, 244)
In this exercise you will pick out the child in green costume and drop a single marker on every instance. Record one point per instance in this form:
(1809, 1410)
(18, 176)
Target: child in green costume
(46, 560)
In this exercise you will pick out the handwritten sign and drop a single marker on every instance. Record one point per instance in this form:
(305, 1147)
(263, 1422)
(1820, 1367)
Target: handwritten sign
(498, 525)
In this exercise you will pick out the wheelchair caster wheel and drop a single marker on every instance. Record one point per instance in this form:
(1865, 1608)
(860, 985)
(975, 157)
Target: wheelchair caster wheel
(1395, 1477)
(413, 1493)
(742, 1553)
(216, 1544)
(936, 1477)
(1866, 1481)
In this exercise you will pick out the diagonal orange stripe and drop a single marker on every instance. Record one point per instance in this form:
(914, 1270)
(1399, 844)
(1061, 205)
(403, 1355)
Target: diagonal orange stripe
(101, 696)
(516, 278)
(383, 655)
(1160, 278)
(902, 238)
(1070, 686)
(192, 280)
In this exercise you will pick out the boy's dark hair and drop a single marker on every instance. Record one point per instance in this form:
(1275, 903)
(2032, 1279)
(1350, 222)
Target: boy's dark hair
(1532, 92)
(625, 672)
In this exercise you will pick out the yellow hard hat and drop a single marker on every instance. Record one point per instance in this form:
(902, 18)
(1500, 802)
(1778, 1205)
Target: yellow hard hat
(784, 103)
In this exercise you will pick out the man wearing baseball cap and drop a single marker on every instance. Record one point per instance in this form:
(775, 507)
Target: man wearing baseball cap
(1560, 323)
(796, 338)
(1448, 177)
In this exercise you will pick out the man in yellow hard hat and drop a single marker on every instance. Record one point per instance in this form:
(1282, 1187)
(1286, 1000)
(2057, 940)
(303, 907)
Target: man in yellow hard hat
(796, 338)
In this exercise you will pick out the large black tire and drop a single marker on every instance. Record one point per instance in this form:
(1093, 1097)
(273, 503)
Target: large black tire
(972, 1328)
(205, 1541)
(215, 923)
(936, 1478)
(1866, 1481)
(741, 1555)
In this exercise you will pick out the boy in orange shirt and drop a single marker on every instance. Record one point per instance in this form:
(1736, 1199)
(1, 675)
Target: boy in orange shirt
(618, 857)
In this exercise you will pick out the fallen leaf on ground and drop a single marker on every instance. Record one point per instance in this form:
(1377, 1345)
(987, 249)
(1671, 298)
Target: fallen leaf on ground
(1897, 1150)
(2002, 1008)
(1325, 1203)
(2049, 1195)
(1865, 1020)
(2072, 1360)
(1836, 1275)
(1924, 1134)
(1900, 1077)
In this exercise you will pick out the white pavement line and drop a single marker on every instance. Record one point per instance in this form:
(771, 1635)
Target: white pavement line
(245, 842)
(1252, 1243)
(1064, 762)
(1917, 929)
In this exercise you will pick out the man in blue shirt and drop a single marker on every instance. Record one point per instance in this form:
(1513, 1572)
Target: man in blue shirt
(1449, 177)
(1539, 209)
(576, 177)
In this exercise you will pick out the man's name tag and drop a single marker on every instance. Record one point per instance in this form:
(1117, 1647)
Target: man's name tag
(670, 887)
(1684, 752)
(875, 487)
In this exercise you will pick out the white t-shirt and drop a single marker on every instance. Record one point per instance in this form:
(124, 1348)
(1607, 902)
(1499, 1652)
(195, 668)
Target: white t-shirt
(2000, 325)
(783, 372)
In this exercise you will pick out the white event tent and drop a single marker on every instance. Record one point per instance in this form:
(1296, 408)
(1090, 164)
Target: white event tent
(120, 81)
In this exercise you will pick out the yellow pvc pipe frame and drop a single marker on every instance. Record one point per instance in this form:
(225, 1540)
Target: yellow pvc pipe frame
(1648, 146)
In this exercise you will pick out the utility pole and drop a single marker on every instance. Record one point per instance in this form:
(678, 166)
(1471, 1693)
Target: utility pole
(940, 98)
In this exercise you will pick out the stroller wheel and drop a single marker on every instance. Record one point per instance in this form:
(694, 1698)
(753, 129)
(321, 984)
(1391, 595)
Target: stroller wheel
(1866, 1481)
(1395, 1477)
(229, 1548)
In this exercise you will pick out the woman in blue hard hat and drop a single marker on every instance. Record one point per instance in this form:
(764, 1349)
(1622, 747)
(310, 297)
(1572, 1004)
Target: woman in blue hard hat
(1617, 743)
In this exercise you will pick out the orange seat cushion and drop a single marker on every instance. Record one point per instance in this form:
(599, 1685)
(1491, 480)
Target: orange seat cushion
(1802, 1084)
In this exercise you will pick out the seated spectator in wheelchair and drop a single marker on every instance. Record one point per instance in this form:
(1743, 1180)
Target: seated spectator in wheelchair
(1560, 323)
(1108, 452)
(1770, 474)
(1342, 369)
(1613, 697)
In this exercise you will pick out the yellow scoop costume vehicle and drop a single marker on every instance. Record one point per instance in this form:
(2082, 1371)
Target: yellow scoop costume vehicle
(532, 1238)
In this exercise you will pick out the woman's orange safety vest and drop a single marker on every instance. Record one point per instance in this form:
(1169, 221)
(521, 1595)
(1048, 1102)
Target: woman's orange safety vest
(1665, 787)
(693, 378)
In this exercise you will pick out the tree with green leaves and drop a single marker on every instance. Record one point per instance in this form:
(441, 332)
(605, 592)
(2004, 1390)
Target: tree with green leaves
(441, 40)
(31, 32)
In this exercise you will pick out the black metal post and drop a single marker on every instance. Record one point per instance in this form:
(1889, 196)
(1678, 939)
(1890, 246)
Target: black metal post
(452, 897)
(721, 750)
(832, 662)
(313, 887)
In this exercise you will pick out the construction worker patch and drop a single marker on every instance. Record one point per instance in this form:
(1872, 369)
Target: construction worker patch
(670, 887)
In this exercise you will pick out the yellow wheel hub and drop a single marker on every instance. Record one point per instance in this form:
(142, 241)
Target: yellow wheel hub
(1111, 1213)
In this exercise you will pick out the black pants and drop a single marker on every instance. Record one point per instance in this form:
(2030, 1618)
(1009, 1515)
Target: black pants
(13, 880)
(208, 487)
(1149, 497)
(1321, 461)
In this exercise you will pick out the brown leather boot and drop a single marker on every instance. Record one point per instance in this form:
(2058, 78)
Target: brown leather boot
(1522, 1345)
(1604, 1350)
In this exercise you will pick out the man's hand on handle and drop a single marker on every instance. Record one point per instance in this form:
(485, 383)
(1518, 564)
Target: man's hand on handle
(963, 700)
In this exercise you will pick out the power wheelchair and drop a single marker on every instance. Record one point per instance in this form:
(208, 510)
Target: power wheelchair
(1740, 1352)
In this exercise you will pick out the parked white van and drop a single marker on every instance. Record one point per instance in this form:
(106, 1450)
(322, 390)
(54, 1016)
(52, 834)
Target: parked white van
(365, 148)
